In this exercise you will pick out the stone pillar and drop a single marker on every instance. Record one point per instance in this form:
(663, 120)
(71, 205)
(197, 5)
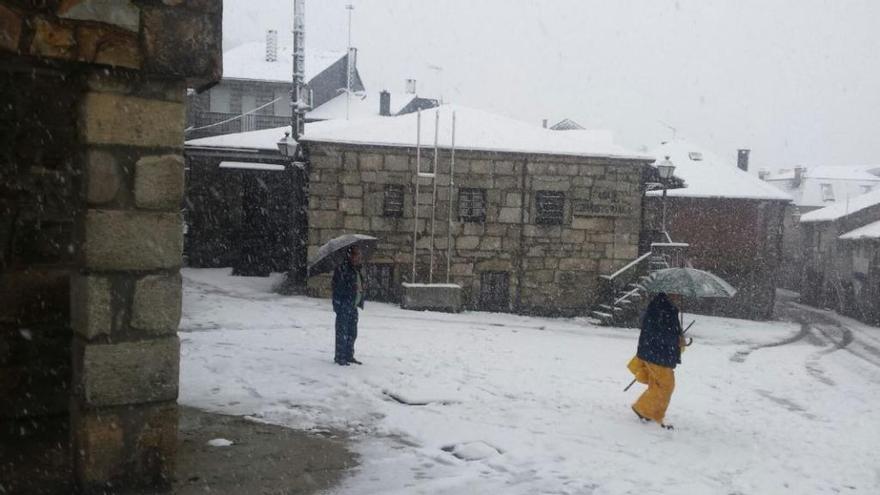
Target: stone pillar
(126, 295)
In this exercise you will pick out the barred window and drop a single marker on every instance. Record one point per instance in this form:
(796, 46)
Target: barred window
(549, 207)
(472, 205)
(393, 206)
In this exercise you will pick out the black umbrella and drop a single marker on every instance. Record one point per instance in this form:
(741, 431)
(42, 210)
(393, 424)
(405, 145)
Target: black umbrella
(335, 250)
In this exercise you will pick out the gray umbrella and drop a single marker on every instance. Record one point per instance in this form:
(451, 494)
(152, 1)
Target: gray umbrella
(334, 251)
(689, 282)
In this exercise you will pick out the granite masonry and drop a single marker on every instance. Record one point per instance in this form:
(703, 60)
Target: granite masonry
(530, 233)
(91, 179)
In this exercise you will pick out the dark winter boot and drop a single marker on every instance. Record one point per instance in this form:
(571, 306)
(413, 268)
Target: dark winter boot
(641, 418)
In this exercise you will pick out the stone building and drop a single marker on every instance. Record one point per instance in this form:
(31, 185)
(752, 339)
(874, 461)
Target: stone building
(536, 215)
(732, 221)
(91, 179)
(812, 188)
(840, 269)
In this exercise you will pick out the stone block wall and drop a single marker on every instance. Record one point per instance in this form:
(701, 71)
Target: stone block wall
(91, 182)
(550, 268)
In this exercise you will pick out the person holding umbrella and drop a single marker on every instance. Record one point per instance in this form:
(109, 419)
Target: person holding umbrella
(348, 296)
(659, 351)
(344, 256)
(662, 339)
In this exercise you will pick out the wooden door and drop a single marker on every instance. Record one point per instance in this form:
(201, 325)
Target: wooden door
(495, 291)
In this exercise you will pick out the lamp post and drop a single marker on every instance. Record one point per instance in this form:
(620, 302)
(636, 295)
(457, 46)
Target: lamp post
(665, 170)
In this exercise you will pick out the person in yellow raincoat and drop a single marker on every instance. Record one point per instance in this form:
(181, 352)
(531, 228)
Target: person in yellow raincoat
(659, 350)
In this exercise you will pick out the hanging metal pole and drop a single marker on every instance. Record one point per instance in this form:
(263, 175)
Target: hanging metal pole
(449, 199)
(416, 195)
(350, 8)
(434, 192)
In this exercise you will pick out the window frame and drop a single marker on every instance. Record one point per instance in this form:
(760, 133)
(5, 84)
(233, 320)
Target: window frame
(474, 216)
(542, 199)
(827, 191)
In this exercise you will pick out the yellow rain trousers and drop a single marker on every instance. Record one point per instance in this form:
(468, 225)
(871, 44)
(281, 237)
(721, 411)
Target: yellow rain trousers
(653, 402)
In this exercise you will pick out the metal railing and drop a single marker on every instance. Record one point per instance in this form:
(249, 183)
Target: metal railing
(230, 124)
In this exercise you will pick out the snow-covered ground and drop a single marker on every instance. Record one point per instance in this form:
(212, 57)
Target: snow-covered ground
(520, 405)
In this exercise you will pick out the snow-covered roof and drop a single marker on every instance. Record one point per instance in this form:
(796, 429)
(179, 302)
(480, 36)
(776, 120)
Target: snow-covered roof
(706, 175)
(266, 139)
(475, 130)
(362, 105)
(842, 208)
(248, 61)
(826, 185)
(870, 231)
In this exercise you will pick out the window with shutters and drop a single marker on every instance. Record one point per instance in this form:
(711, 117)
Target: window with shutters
(549, 207)
(393, 205)
(472, 205)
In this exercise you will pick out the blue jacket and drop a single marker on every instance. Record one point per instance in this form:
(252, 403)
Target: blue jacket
(345, 280)
(659, 342)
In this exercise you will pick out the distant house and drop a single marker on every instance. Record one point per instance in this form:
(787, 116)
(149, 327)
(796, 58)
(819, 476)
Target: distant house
(813, 188)
(254, 93)
(732, 221)
(532, 220)
(566, 125)
(367, 104)
(841, 268)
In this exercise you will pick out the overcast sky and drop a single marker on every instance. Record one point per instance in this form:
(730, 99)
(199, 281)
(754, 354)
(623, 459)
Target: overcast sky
(797, 81)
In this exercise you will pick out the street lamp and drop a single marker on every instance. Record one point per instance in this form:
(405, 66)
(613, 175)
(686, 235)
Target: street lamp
(665, 170)
(287, 146)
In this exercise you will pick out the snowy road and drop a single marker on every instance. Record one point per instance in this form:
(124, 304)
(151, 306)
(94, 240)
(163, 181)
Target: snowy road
(521, 405)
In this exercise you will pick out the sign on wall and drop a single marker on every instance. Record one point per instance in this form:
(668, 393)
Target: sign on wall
(603, 203)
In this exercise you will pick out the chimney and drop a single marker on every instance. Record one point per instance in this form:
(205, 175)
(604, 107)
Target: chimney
(544, 123)
(385, 103)
(798, 176)
(742, 160)
(271, 45)
(410, 86)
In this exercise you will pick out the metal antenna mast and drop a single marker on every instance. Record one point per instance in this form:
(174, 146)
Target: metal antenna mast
(298, 106)
(350, 9)
(673, 129)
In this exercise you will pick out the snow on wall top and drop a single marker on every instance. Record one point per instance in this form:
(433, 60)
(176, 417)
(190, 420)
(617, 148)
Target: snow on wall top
(265, 139)
(476, 130)
(870, 231)
(362, 105)
(842, 208)
(248, 61)
(707, 175)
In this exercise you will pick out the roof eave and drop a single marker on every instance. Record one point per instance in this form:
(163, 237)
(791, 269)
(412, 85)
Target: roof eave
(640, 158)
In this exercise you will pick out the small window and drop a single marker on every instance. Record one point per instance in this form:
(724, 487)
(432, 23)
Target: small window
(219, 99)
(866, 189)
(393, 205)
(549, 207)
(695, 156)
(472, 205)
(827, 192)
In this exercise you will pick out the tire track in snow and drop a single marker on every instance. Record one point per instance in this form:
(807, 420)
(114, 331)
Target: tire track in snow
(740, 356)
